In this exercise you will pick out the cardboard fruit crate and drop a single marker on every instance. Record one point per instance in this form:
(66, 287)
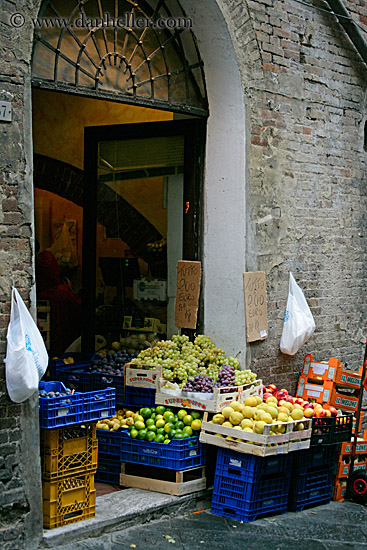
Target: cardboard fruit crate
(199, 401)
(324, 371)
(68, 500)
(317, 392)
(341, 399)
(142, 376)
(339, 490)
(68, 451)
(342, 469)
(171, 482)
(348, 378)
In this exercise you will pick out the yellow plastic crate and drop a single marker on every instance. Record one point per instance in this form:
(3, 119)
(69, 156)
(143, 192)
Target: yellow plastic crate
(68, 500)
(69, 451)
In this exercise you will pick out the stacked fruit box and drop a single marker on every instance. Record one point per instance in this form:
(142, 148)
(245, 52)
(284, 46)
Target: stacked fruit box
(342, 467)
(69, 461)
(141, 382)
(247, 487)
(329, 383)
(311, 480)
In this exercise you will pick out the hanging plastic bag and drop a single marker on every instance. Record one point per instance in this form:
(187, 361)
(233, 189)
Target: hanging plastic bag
(64, 249)
(26, 355)
(299, 323)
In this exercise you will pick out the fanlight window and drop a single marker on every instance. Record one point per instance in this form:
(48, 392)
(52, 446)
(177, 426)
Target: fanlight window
(142, 52)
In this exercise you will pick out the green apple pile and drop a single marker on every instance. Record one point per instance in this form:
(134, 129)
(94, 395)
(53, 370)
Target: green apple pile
(181, 359)
(161, 424)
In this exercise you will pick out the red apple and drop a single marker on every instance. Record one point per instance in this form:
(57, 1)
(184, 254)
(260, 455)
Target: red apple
(333, 411)
(284, 391)
(307, 406)
(298, 400)
(264, 389)
(266, 395)
(320, 412)
(281, 402)
(290, 399)
(279, 395)
(272, 387)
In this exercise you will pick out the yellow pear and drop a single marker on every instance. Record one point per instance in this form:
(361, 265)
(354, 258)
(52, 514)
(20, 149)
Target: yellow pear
(236, 418)
(250, 430)
(227, 424)
(267, 418)
(246, 423)
(272, 399)
(235, 405)
(219, 419)
(259, 427)
(283, 417)
(259, 413)
(283, 409)
(251, 401)
(258, 399)
(248, 412)
(227, 411)
(273, 411)
(297, 414)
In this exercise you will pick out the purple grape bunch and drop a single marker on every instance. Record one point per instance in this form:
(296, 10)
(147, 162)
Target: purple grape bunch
(226, 378)
(201, 383)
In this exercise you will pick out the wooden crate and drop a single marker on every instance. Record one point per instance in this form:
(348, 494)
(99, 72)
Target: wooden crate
(219, 400)
(170, 482)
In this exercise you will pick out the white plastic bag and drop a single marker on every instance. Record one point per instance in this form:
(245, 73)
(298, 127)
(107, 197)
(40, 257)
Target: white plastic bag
(26, 355)
(299, 323)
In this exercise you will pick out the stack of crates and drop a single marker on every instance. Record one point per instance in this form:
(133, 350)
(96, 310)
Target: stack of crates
(341, 470)
(329, 383)
(312, 473)
(109, 456)
(141, 383)
(247, 487)
(69, 458)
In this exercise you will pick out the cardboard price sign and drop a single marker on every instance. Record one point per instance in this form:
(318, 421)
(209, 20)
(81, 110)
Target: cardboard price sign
(254, 286)
(187, 293)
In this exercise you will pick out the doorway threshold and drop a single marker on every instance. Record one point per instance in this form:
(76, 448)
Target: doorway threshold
(124, 509)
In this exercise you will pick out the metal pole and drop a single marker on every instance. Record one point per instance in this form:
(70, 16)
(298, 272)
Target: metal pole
(350, 27)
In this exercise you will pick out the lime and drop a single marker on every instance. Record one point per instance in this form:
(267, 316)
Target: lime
(179, 425)
(160, 409)
(139, 425)
(168, 426)
(187, 430)
(138, 417)
(160, 423)
(149, 422)
(196, 425)
(178, 435)
(145, 412)
(187, 419)
(172, 433)
(150, 436)
(195, 415)
(167, 441)
(159, 438)
(152, 429)
(181, 413)
(161, 431)
(185, 435)
(168, 414)
(159, 417)
(134, 433)
(153, 416)
(142, 434)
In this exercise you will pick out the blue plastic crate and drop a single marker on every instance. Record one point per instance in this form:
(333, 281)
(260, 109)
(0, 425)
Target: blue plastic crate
(178, 454)
(250, 467)
(75, 377)
(311, 488)
(139, 397)
(110, 442)
(57, 412)
(81, 361)
(247, 501)
(99, 404)
(109, 469)
(74, 408)
(100, 381)
(314, 457)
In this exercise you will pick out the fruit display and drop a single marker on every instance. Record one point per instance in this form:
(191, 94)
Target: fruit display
(111, 364)
(182, 360)
(254, 415)
(157, 424)
(157, 246)
(51, 394)
(310, 409)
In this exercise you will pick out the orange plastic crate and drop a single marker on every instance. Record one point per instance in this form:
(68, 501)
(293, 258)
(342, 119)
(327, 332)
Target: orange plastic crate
(343, 468)
(318, 393)
(343, 400)
(68, 500)
(68, 451)
(346, 447)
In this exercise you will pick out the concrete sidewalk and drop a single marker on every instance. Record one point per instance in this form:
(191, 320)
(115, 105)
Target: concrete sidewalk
(181, 523)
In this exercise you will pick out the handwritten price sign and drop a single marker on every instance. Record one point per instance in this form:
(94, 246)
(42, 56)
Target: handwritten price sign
(254, 285)
(187, 293)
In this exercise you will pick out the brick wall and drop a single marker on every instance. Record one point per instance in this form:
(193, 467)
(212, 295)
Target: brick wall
(305, 97)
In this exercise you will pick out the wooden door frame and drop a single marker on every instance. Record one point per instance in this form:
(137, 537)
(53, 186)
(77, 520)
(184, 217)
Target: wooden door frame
(194, 132)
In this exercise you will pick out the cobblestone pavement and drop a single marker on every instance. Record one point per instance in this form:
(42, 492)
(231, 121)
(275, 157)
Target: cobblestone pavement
(335, 526)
